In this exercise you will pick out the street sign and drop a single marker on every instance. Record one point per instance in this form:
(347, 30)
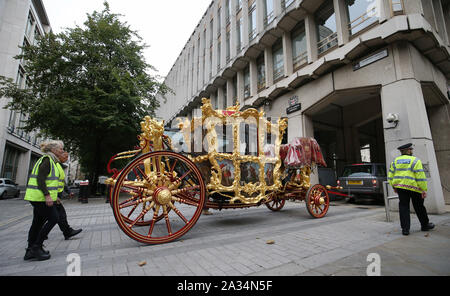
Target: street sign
(294, 108)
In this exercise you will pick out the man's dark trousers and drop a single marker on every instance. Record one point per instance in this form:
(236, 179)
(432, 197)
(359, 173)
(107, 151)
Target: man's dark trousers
(44, 219)
(405, 196)
(62, 221)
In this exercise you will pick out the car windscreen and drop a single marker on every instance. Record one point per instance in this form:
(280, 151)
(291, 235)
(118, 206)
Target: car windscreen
(358, 171)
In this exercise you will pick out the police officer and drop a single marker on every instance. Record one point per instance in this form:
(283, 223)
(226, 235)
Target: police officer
(407, 177)
(42, 193)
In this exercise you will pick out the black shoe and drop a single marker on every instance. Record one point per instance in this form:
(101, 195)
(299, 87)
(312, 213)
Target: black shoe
(44, 250)
(405, 232)
(28, 254)
(37, 252)
(72, 233)
(427, 227)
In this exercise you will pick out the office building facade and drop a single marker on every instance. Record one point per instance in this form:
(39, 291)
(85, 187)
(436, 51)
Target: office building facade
(362, 77)
(21, 22)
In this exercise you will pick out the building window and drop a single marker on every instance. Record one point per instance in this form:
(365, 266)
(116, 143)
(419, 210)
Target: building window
(12, 121)
(235, 90)
(252, 21)
(361, 14)
(268, 12)
(211, 32)
(228, 45)
(396, 7)
(219, 45)
(210, 62)
(219, 20)
(30, 26)
(225, 95)
(278, 62)
(239, 35)
(261, 69)
(286, 3)
(247, 82)
(299, 50)
(238, 5)
(10, 162)
(325, 18)
(37, 35)
(227, 11)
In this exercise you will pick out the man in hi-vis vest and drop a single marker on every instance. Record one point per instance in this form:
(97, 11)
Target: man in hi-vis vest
(407, 177)
(42, 193)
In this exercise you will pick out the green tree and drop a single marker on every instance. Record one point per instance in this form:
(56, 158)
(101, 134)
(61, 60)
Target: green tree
(89, 87)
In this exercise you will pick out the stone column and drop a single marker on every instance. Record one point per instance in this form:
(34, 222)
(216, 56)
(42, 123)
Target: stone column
(240, 88)
(244, 24)
(340, 9)
(405, 98)
(230, 90)
(268, 64)
(311, 38)
(287, 54)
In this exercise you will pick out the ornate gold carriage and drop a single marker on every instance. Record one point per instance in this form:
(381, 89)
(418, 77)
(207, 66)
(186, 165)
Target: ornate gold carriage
(221, 159)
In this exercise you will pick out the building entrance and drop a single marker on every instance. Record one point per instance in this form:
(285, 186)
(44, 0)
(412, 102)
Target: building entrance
(348, 127)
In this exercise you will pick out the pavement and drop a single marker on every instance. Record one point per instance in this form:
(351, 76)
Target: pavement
(351, 240)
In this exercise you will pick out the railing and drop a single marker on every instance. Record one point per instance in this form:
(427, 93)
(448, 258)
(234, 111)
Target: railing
(247, 91)
(268, 19)
(261, 84)
(278, 73)
(252, 35)
(327, 43)
(362, 19)
(300, 60)
(387, 199)
(286, 3)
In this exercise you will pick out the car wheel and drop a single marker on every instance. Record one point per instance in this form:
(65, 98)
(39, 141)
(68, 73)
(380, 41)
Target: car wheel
(17, 194)
(3, 195)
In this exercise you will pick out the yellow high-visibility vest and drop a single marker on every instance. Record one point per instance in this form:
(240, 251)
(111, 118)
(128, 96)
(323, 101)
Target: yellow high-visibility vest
(62, 176)
(406, 172)
(33, 193)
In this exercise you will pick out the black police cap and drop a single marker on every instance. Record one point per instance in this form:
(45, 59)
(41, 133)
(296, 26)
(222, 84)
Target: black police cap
(406, 146)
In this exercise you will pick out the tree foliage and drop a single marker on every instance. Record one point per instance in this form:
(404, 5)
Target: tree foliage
(88, 86)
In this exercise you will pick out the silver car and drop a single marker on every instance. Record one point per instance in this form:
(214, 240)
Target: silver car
(8, 188)
(363, 180)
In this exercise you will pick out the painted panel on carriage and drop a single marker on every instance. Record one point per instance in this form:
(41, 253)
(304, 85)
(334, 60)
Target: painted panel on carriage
(227, 171)
(268, 173)
(249, 172)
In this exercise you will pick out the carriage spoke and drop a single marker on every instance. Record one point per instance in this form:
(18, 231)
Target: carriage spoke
(142, 214)
(166, 216)
(152, 225)
(177, 211)
(132, 210)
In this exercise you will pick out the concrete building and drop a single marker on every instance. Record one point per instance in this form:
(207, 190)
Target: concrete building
(359, 75)
(21, 21)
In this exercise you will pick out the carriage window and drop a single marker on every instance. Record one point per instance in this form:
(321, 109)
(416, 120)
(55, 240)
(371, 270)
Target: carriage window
(248, 138)
(225, 140)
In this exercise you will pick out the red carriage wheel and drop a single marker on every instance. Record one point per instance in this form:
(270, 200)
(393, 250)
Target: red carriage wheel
(276, 203)
(317, 201)
(154, 186)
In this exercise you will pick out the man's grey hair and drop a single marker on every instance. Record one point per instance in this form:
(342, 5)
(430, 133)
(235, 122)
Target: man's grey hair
(49, 145)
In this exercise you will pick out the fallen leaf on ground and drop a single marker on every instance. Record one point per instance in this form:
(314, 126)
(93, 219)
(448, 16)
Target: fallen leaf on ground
(270, 242)
(142, 263)
(427, 235)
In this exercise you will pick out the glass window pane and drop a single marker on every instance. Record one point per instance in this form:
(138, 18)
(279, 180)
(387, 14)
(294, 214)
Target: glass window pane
(326, 26)
(361, 14)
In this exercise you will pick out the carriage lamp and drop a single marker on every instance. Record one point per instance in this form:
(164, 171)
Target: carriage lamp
(374, 182)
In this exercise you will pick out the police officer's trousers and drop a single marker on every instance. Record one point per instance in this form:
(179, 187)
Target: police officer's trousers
(405, 196)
